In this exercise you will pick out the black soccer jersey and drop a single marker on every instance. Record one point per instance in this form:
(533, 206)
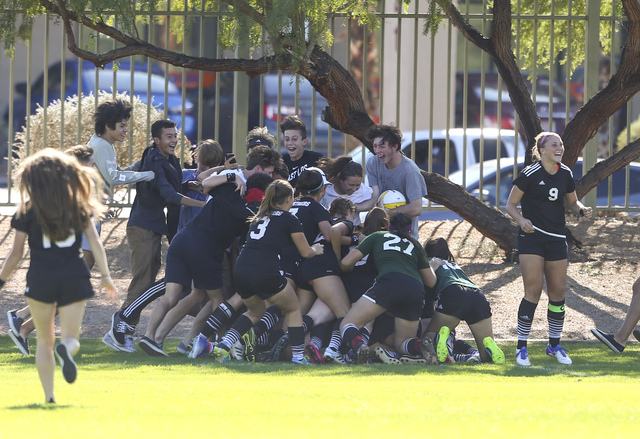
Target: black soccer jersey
(310, 213)
(272, 233)
(50, 259)
(223, 218)
(543, 199)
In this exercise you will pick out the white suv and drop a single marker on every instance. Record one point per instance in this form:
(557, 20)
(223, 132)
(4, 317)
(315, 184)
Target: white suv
(475, 140)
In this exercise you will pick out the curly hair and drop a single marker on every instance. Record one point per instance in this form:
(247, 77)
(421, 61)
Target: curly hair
(109, 113)
(389, 133)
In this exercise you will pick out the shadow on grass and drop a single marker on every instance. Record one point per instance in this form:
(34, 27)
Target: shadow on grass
(590, 359)
(39, 407)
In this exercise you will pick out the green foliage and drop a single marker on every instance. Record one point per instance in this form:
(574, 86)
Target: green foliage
(16, 21)
(535, 36)
(632, 132)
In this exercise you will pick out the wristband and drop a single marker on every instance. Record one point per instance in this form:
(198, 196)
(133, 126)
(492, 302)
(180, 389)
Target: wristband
(2, 282)
(354, 240)
(231, 177)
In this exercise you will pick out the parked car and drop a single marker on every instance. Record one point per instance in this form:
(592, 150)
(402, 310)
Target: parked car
(153, 92)
(554, 108)
(287, 106)
(474, 139)
(496, 193)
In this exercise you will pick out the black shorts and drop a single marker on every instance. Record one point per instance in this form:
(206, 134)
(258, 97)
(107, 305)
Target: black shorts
(401, 295)
(357, 282)
(468, 304)
(253, 275)
(428, 308)
(62, 292)
(536, 243)
(383, 326)
(189, 260)
(320, 266)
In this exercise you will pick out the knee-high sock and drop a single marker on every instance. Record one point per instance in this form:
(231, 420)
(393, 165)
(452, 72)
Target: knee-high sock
(351, 336)
(217, 319)
(555, 318)
(526, 312)
(271, 316)
(237, 330)
(296, 339)
(336, 339)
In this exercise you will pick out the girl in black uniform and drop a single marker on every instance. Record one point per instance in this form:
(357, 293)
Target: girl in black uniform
(257, 271)
(545, 190)
(58, 201)
(319, 275)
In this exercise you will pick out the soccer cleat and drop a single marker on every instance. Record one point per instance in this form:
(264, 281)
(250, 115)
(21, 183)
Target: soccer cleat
(428, 352)
(277, 352)
(636, 333)
(363, 354)
(410, 359)
(312, 354)
(467, 358)
(608, 340)
(183, 349)
(332, 356)
(21, 343)
(151, 348)
(387, 357)
(69, 368)
(200, 347)
(250, 341)
(560, 354)
(14, 322)
(492, 349)
(220, 354)
(522, 357)
(300, 361)
(109, 341)
(237, 351)
(443, 347)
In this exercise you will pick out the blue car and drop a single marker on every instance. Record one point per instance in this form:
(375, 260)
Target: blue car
(147, 91)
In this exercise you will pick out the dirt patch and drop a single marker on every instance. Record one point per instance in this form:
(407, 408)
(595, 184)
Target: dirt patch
(599, 278)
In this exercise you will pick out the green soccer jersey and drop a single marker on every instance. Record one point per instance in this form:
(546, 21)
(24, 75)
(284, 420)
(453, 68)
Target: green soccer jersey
(393, 254)
(451, 274)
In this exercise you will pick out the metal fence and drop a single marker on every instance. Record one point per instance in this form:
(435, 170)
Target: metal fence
(443, 92)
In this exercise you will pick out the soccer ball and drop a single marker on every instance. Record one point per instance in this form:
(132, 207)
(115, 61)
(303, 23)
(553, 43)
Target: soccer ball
(391, 199)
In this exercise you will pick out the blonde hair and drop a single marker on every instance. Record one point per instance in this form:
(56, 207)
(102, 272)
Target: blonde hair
(540, 139)
(277, 193)
(61, 192)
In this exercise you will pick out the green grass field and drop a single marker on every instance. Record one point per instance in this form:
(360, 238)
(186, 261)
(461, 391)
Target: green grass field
(133, 395)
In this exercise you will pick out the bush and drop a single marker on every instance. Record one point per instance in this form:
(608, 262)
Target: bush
(138, 128)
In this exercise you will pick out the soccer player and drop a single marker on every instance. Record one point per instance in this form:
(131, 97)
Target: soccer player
(545, 190)
(58, 201)
(458, 299)
(403, 271)
(258, 276)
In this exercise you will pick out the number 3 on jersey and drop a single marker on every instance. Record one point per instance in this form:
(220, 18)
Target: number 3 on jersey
(262, 228)
(394, 240)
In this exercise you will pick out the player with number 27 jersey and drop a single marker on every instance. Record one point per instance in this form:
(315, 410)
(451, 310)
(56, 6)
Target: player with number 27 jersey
(394, 254)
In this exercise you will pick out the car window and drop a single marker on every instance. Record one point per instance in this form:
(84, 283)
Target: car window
(490, 149)
(54, 83)
(438, 155)
(123, 78)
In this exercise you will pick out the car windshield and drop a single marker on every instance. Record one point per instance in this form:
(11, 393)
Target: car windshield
(140, 82)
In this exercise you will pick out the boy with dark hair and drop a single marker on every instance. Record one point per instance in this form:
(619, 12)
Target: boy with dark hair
(390, 169)
(111, 119)
(260, 136)
(297, 158)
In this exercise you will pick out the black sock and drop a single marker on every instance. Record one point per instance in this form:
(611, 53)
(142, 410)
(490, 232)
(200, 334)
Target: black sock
(526, 312)
(217, 319)
(237, 330)
(555, 318)
(307, 323)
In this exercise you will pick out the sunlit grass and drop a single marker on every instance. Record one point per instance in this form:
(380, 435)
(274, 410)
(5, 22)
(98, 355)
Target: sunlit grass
(135, 395)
